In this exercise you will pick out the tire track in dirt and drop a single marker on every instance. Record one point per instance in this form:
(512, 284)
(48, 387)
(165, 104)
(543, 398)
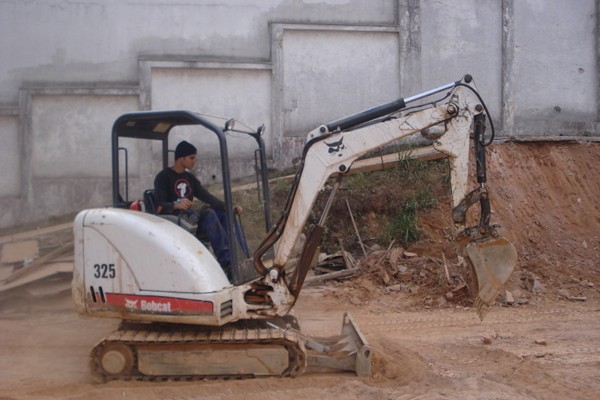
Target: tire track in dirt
(469, 319)
(565, 336)
(548, 351)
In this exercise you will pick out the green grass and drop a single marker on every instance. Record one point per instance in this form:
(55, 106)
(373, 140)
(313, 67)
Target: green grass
(391, 200)
(403, 226)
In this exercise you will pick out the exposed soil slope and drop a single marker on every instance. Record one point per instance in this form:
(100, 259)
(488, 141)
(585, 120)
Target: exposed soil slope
(544, 196)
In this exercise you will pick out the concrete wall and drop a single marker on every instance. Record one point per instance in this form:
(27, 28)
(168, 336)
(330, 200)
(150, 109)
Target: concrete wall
(70, 68)
(555, 66)
(244, 92)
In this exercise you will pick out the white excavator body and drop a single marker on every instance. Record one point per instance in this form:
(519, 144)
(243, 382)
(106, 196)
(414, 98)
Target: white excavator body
(180, 309)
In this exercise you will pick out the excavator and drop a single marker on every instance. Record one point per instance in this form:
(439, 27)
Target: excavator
(183, 319)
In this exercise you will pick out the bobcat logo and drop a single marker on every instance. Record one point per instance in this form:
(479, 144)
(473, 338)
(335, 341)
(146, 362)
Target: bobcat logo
(131, 304)
(336, 147)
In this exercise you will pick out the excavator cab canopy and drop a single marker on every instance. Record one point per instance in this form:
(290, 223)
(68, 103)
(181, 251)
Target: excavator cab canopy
(156, 126)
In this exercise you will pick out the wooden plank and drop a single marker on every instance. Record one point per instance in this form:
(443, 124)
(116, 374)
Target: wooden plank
(47, 271)
(36, 232)
(20, 251)
(390, 160)
(313, 280)
(550, 138)
(40, 262)
(48, 287)
(371, 164)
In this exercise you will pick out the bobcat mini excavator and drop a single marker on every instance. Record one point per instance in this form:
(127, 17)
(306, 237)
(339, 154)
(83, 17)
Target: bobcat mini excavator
(183, 319)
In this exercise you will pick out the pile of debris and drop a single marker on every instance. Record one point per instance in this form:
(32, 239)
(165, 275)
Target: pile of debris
(36, 264)
(431, 281)
(338, 266)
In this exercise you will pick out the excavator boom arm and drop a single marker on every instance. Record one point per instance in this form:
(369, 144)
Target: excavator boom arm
(332, 148)
(328, 153)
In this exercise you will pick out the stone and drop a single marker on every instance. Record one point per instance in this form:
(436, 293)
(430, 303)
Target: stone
(442, 302)
(509, 298)
(584, 283)
(405, 276)
(355, 301)
(386, 278)
(537, 286)
(394, 288)
(518, 294)
(395, 255)
(401, 268)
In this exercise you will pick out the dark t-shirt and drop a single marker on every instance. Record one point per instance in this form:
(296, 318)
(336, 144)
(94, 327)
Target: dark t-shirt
(169, 186)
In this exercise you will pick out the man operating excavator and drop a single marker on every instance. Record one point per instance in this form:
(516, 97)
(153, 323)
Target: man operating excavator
(177, 192)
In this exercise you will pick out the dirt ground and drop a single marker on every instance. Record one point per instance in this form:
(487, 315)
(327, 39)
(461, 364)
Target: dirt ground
(540, 341)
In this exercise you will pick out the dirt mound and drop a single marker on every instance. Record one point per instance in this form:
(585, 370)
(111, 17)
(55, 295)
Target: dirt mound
(397, 364)
(544, 195)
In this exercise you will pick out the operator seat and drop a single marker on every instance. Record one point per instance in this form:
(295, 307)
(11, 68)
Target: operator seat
(150, 202)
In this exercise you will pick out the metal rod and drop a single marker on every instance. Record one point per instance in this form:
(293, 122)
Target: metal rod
(124, 150)
(329, 203)
(356, 229)
(429, 92)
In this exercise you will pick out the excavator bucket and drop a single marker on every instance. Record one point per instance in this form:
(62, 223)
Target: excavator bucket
(493, 261)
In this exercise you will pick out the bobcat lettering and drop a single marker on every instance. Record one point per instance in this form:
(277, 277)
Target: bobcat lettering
(155, 306)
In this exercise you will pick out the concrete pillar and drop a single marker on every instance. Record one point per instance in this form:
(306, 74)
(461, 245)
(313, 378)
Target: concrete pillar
(26, 143)
(508, 58)
(597, 60)
(409, 25)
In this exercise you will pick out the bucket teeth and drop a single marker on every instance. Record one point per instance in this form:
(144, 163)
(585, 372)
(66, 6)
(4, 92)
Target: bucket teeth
(481, 307)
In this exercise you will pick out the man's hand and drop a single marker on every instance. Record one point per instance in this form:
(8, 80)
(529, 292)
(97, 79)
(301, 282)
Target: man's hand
(182, 204)
(238, 210)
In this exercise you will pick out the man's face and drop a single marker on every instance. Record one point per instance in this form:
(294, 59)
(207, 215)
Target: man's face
(189, 161)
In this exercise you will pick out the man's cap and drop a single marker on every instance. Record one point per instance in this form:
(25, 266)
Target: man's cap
(184, 149)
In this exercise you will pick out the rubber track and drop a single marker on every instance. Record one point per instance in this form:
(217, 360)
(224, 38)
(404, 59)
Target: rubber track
(144, 335)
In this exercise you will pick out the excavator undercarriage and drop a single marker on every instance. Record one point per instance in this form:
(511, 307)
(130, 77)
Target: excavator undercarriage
(246, 349)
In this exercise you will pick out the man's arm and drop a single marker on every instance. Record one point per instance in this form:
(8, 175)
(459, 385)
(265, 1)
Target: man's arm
(161, 193)
(204, 195)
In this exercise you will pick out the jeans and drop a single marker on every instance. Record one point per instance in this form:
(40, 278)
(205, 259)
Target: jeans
(212, 226)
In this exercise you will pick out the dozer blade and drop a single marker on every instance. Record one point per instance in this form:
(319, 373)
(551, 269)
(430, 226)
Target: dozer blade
(348, 351)
(493, 261)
